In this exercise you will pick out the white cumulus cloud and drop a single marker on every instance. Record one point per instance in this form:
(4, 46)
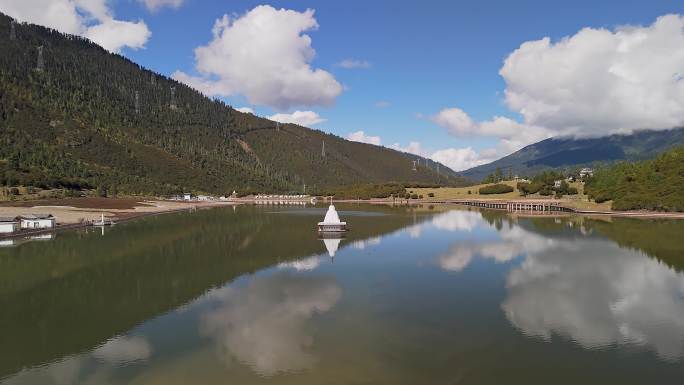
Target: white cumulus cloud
(155, 5)
(511, 134)
(601, 81)
(302, 118)
(596, 82)
(360, 136)
(414, 147)
(459, 159)
(92, 19)
(246, 110)
(265, 56)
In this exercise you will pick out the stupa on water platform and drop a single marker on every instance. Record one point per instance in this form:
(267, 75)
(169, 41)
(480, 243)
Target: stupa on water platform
(331, 223)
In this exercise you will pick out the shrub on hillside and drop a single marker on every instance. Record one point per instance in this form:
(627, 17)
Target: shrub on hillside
(366, 191)
(498, 188)
(527, 188)
(647, 185)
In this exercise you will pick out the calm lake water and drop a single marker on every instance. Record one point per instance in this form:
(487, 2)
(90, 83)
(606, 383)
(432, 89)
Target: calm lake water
(431, 295)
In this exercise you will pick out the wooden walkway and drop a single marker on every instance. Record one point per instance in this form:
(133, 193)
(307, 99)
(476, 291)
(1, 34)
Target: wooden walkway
(540, 205)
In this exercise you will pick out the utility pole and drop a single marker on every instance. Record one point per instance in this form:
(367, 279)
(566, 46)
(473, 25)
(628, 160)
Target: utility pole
(137, 102)
(41, 63)
(173, 98)
(13, 30)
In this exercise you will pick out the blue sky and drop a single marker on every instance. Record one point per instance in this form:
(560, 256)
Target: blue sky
(419, 58)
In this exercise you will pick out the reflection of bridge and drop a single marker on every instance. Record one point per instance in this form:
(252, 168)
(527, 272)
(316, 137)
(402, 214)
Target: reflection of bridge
(517, 205)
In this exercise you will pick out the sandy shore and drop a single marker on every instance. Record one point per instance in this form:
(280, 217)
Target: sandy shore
(71, 211)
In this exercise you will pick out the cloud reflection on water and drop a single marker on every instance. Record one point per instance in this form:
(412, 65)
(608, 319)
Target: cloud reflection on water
(598, 295)
(263, 324)
(458, 220)
(583, 288)
(512, 242)
(304, 264)
(123, 349)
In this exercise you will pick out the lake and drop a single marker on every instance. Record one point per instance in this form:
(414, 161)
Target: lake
(424, 295)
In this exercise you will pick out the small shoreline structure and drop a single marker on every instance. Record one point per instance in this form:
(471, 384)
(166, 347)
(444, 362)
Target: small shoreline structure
(331, 223)
(103, 222)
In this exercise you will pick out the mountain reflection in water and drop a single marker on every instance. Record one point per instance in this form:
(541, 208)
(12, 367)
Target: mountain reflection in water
(413, 295)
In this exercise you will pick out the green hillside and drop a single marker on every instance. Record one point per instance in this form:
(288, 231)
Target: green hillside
(85, 118)
(656, 184)
(567, 154)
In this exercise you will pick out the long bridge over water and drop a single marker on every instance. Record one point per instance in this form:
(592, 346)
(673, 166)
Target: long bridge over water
(539, 205)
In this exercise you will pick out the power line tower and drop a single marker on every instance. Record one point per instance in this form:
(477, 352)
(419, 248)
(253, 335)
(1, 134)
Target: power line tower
(414, 166)
(153, 79)
(173, 98)
(13, 30)
(137, 102)
(40, 66)
(323, 149)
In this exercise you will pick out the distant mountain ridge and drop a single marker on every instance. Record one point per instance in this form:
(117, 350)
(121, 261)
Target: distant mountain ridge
(570, 153)
(74, 115)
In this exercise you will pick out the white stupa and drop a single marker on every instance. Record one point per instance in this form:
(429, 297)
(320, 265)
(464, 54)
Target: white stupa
(331, 223)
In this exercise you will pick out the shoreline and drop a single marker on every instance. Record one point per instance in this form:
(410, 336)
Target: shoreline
(87, 215)
(145, 208)
(570, 210)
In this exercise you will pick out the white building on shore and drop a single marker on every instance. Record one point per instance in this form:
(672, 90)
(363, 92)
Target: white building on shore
(9, 225)
(38, 221)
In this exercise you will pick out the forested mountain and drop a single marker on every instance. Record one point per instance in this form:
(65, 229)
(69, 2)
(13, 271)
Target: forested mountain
(569, 153)
(656, 184)
(74, 115)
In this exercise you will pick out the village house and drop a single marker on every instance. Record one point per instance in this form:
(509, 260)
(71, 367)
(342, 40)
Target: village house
(38, 221)
(9, 225)
(585, 172)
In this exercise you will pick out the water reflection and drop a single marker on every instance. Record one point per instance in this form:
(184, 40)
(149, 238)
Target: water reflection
(332, 245)
(304, 264)
(124, 350)
(364, 243)
(457, 220)
(576, 284)
(232, 297)
(263, 323)
(92, 367)
(512, 242)
(12, 242)
(598, 295)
